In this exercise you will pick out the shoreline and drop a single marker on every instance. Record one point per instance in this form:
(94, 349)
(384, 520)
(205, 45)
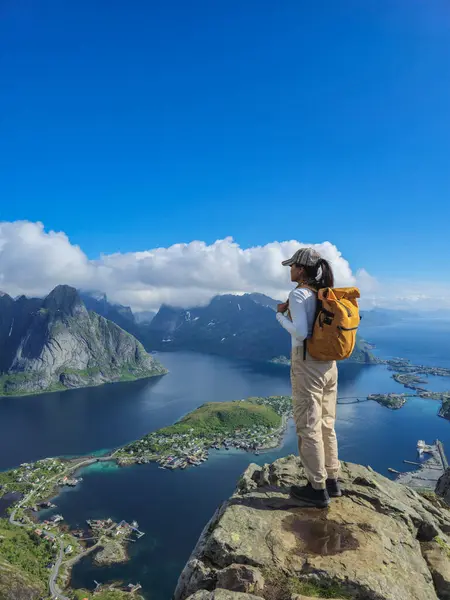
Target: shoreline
(54, 390)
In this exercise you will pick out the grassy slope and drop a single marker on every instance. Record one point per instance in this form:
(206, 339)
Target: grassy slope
(222, 417)
(210, 420)
(23, 560)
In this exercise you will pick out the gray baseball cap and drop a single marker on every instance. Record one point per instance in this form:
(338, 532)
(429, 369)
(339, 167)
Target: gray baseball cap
(306, 257)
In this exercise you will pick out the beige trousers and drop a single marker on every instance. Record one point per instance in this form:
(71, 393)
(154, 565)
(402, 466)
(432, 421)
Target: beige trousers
(314, 397)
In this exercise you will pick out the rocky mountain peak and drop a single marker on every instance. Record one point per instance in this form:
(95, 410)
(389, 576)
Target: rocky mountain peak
(64, 299)
(5, 300)
(380, 541)
(264, 300)
(117, 313)
(55, 344)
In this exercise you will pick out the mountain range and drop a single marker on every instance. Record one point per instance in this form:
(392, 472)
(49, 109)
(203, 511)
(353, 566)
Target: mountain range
(56, 343)
(230, 325)
(74, 338)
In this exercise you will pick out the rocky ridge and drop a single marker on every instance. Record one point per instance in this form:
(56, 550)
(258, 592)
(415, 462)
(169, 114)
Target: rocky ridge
(380, 541)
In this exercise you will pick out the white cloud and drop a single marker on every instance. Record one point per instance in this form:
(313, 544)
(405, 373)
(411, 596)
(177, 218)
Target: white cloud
(33, 261)
(409, 295)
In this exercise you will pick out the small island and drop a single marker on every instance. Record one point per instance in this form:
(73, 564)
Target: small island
(392, 401)
(411, 377)
(410, 380)
(111, 553)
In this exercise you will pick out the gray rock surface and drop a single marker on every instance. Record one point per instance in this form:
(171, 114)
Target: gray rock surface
(443, 487)
(56, 343)
(221, 594)
(380, 541)
(437, 556)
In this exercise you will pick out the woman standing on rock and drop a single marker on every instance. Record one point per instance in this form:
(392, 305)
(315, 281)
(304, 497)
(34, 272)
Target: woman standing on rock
(314, 382)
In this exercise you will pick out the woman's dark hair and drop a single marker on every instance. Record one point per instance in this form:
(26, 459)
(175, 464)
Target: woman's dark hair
(323, 268)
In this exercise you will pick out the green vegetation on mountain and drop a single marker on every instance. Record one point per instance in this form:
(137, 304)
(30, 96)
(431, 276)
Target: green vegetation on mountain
(252, 425)
(225, 417)
(207, 424)
(24, 560)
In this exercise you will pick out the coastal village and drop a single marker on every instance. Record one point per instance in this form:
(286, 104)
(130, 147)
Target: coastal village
(191, 448)
(30, 484)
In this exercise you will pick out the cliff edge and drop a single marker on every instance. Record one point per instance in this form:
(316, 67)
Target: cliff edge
(380, 541)
(443, 487)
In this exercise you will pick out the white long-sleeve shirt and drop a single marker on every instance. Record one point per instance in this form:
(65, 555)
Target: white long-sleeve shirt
(302, 307)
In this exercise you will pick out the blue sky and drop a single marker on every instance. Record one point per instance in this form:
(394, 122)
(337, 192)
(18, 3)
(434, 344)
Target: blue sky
(134, 125)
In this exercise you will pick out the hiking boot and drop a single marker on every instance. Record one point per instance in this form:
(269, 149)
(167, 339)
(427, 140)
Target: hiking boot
(333, 488)
(311, 497)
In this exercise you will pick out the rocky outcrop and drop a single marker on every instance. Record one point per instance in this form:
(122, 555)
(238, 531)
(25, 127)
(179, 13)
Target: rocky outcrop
(56, 343)
(380, 541)
(443, 487)
(113, 551)
(121, 315)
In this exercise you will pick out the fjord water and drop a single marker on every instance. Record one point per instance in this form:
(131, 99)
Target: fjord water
(172, 507)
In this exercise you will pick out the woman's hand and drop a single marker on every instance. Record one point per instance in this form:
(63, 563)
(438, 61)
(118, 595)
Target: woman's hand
(282, 308)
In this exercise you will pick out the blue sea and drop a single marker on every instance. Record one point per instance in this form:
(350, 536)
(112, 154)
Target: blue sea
(172, 507)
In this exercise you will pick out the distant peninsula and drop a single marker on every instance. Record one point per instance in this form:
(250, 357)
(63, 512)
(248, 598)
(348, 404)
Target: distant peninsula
(253, 424)
(55, 343)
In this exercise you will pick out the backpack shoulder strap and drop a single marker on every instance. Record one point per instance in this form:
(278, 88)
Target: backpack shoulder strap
(308, 287)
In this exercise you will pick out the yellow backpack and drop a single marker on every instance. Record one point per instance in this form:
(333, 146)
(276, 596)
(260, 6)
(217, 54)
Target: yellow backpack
(337, 320)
